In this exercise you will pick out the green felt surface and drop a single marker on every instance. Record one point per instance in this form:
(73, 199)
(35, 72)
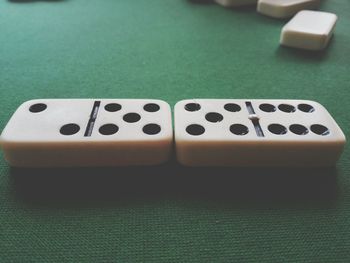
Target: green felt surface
(170, 50)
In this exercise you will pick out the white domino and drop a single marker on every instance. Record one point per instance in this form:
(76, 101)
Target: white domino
(231, 3)
(309, 30)
(229, 132)
(88, 132)
(285, 8)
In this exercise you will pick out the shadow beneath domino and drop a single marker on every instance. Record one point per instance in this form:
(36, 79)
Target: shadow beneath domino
(237, 9)
(203, 2)
(312, 56)
(32, 1)
(243, 9)
(231, 187)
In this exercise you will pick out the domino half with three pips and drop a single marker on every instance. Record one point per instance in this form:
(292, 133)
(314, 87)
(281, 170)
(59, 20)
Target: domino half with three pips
(88, 132)
(228, 132)
(208, 132)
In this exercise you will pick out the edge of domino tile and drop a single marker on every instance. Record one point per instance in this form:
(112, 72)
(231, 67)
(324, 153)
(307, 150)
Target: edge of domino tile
(190, 153)
(288, 35)
(26, 104)
(18, 153)
(341, 141)
(284, 9)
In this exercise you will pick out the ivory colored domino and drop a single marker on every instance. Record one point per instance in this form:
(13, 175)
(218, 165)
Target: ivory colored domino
(285, 8)
(88, 132)
(310, 30)
(273, 133)
(232, 3)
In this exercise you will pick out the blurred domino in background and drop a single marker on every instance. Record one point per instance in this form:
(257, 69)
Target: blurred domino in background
(285, 8)
(309, 30)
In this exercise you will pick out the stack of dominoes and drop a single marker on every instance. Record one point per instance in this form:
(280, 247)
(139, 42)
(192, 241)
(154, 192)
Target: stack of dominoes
(208, 132)
(308, 29)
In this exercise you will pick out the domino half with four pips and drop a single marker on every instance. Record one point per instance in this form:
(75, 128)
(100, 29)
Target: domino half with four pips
(230, 132)
(88, 132)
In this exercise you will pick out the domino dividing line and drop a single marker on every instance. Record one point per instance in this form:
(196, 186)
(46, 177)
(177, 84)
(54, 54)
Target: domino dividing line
(254, 119)
(93, 116)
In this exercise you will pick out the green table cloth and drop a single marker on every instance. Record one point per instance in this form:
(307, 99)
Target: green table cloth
(170, 50)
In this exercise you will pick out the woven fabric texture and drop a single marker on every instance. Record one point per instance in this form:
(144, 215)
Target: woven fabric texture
(170, 50)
